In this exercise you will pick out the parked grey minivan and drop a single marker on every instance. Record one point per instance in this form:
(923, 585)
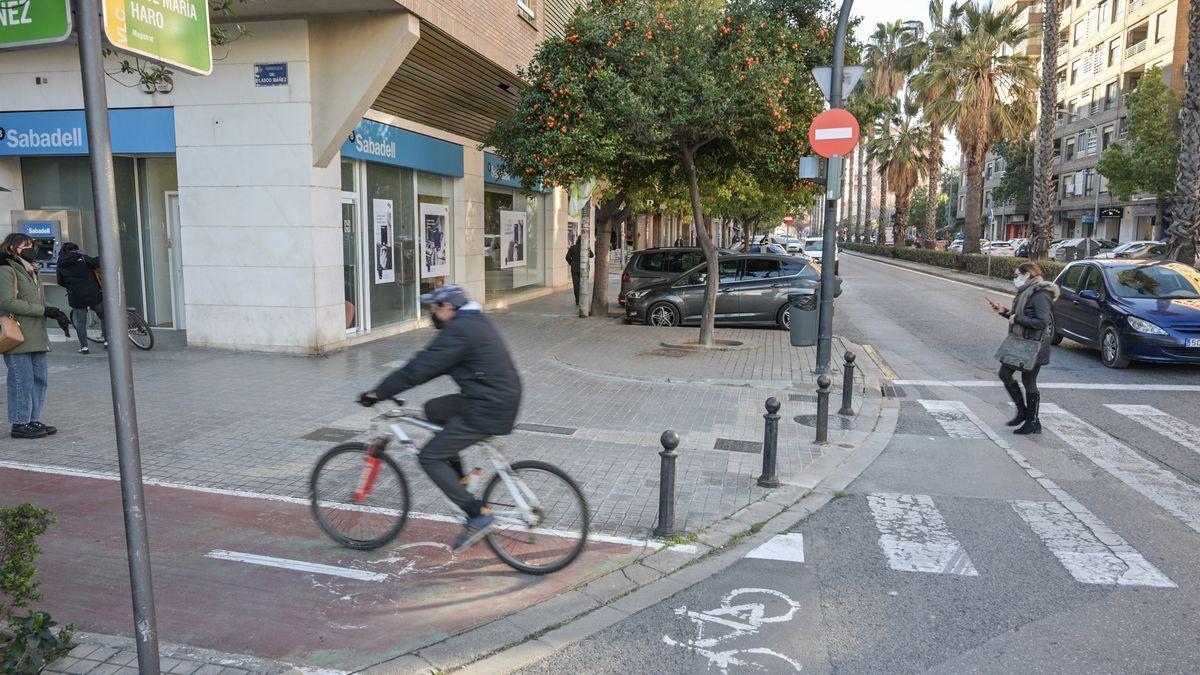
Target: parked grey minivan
(652, 265)
(753, 289)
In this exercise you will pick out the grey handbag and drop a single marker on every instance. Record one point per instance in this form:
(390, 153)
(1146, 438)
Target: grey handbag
(1019, 353)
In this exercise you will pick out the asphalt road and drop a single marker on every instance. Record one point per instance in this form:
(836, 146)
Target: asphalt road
(964, 548)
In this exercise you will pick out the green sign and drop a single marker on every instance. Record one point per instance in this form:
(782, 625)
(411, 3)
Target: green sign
(175, 32)
(33, 22)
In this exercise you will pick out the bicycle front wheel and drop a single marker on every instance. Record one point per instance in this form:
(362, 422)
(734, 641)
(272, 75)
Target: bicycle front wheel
(139, 331)
(559, 529)
(360, 501)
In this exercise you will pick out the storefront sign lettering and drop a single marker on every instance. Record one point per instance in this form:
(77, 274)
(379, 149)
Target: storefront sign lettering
(175, 32)
(34, 22)
(59, 138)
(377, 142)
(135, 131)
(270, 74)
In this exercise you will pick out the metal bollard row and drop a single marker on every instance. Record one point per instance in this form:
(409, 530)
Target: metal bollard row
(666, 485)
(848, 386)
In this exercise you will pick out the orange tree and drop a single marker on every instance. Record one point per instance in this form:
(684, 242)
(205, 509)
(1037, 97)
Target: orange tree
(671, 92)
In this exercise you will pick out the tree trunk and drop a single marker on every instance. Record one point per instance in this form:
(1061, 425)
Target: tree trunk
(881, 225)
(933, 168)
(972, 231)
(709, 315)
(1041, 197)
(900, 220)
(1183, 236)
(608, 215)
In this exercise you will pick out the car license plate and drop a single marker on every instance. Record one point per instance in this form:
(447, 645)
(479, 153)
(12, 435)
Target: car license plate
(1192, 342)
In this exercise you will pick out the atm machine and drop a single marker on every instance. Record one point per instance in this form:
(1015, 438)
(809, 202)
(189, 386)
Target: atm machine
(49, 229)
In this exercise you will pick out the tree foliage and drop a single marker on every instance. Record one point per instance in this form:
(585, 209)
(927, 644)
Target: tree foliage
(1147, 162)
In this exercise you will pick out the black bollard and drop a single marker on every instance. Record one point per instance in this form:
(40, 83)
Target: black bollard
(823, 385)
(666, 485)
(848, 386)
(768, 479)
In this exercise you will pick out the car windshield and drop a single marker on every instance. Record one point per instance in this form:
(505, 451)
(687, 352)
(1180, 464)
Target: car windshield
(1171, 280)
(814, 244)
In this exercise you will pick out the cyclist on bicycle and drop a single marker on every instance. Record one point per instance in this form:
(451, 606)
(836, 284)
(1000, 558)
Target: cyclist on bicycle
(469, 349)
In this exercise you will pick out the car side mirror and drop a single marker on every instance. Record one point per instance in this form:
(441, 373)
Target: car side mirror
(1090, 295)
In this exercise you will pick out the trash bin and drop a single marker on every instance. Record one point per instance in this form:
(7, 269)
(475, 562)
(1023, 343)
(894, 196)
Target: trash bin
(802, 316)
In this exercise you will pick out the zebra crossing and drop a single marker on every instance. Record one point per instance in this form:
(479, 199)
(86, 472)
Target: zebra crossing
(914, 536)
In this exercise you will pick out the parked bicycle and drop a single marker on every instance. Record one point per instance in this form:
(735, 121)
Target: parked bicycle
(360, 498)
(139, 331)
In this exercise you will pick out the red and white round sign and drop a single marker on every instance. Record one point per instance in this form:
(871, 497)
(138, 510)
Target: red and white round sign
(833, 133)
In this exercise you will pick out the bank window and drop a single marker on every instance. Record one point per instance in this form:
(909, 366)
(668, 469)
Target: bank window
(435, 223)
(514, 231)
(392, 244)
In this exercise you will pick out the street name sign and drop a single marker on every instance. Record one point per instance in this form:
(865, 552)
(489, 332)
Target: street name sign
(833, 133)
(24, 23)
(850, 78)
(175, 32)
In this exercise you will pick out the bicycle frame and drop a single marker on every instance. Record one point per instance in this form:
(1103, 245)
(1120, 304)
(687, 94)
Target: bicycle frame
(528, 505)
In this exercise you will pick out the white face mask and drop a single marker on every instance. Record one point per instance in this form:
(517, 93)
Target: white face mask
(1019, 281)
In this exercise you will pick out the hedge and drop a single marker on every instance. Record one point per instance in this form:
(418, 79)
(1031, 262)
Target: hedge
(975, 263)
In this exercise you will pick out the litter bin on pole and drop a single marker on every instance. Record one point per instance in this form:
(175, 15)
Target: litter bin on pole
(803, 317)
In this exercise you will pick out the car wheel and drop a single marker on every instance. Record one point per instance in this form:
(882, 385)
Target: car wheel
(1111, 352)
(784, 317)
(662, 314)
(1056, 337)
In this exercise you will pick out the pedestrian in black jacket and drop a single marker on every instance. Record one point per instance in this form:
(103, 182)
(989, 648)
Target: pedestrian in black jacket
(77, 275)
(470, 350)
(1031, 319)
(574, 257)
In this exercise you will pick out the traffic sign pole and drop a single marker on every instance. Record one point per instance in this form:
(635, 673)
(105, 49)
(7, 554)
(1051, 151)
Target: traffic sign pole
(116, 325)
(829, 245)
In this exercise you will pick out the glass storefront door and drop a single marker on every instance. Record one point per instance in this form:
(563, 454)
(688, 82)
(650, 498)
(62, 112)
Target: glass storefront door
(350, 266)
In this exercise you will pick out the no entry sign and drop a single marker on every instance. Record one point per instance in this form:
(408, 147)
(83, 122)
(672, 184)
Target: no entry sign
(833, 133)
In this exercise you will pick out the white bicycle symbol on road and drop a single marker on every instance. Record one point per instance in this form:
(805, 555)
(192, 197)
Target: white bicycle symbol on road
(739, 620)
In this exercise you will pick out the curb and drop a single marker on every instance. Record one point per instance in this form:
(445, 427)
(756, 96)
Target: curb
(536, 632)
(951, 275)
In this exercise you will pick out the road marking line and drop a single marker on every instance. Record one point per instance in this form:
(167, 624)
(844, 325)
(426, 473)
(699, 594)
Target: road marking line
(1183, 433)
(1090, 552)
(914, 537)
(436, 517)
(1097, 386)
(954, 417)
(296, 565)
(887, 371)
(1154, 482)
(787, 547)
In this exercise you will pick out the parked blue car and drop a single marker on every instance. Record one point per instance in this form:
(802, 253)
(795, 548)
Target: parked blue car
(1130, 310)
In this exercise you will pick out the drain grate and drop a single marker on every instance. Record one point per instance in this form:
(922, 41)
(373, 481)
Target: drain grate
(890, 390)
(330, 434)
(835, 421)
(732, 445)
(546, 429)
(802, 397)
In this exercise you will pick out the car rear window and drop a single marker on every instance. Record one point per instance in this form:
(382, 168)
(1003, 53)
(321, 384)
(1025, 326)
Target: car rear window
(762, 269)
(671, 262)
(793, 267)
(813, 245)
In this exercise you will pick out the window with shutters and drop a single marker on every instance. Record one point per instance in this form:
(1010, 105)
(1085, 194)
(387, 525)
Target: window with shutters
(1105, 13)
(1069, 153)
(1106, 137)
(1114, 52)
(1160, 27)
(1080, 33)
(1075, 65)
(1112, 93)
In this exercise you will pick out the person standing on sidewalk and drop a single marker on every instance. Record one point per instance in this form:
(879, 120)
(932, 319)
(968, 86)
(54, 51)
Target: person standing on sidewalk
(77, 274)
(574, 257)
(1030, 319)
(21, 295)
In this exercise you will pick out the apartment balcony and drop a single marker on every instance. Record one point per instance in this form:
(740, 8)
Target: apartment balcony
(1137, 48)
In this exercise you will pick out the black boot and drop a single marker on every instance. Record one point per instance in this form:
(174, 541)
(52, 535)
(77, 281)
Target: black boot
(1032, 424)
(1014, 390)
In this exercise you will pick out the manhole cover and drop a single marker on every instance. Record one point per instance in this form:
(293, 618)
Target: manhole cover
(330, 434)
(835, 421)
(732, 445)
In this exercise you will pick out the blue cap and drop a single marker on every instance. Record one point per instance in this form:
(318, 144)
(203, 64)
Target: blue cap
(450, 294)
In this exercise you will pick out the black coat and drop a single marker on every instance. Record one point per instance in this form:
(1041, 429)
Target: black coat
(470, 350)
(1037, 317)
(77, 274)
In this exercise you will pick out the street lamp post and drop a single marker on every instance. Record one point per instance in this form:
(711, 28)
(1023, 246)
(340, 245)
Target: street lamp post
(829, 245)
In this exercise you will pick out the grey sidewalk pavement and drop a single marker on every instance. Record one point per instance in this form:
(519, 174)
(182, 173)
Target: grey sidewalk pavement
(598, 393)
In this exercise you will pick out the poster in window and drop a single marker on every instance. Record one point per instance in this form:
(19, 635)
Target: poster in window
(512, 239)
(383, 259)
(435, 247)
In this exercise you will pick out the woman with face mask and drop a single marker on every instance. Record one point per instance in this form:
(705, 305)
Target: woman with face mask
(21, 296)
(1029, 318)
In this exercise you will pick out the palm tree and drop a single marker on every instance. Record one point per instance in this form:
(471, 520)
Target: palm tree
(902, 150)
(1184, 233)
(1041, 193)
(927, 54)
(988, 92)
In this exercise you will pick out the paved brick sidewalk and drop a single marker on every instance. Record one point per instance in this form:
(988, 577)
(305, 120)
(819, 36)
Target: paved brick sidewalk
(111, 655)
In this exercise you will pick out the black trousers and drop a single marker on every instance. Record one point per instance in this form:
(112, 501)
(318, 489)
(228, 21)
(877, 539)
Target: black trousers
(79, 316)
(575, 284)
(440, 457)
(1028, 377)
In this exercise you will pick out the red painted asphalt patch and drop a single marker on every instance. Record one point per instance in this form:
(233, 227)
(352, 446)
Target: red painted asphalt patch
(300, 617)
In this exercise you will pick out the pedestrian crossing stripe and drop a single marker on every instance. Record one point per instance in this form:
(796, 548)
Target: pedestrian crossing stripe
(914, 537)
(953, 417)
(1183, 433)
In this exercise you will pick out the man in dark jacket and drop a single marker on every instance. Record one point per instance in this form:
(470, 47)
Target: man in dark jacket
(574, 257)
(77, 275)
(469, 349)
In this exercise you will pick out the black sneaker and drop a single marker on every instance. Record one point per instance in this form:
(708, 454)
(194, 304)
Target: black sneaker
(50, 431)
(27, 431)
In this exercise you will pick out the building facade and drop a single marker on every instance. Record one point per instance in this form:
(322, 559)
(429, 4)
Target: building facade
(301, 197)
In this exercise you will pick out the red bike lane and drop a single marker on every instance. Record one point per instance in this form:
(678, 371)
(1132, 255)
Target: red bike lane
(257, 576)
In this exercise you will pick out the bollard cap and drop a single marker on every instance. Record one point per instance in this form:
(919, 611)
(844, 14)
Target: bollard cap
(849, 356)
(669, 440)
(772, 405)
(823, 382)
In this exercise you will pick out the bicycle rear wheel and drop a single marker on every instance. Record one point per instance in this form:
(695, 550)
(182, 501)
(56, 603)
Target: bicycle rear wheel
(351, 516)
(139, 331)
(562, 519)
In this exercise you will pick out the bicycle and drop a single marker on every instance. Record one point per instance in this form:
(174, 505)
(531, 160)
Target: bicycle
(139, 331)
(359, 496)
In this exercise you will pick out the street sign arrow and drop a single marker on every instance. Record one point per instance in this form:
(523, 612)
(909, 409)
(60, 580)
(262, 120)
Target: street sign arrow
(850, 78)
(833, 133)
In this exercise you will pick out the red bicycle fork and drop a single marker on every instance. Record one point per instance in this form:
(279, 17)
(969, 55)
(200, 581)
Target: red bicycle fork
(370, 473)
